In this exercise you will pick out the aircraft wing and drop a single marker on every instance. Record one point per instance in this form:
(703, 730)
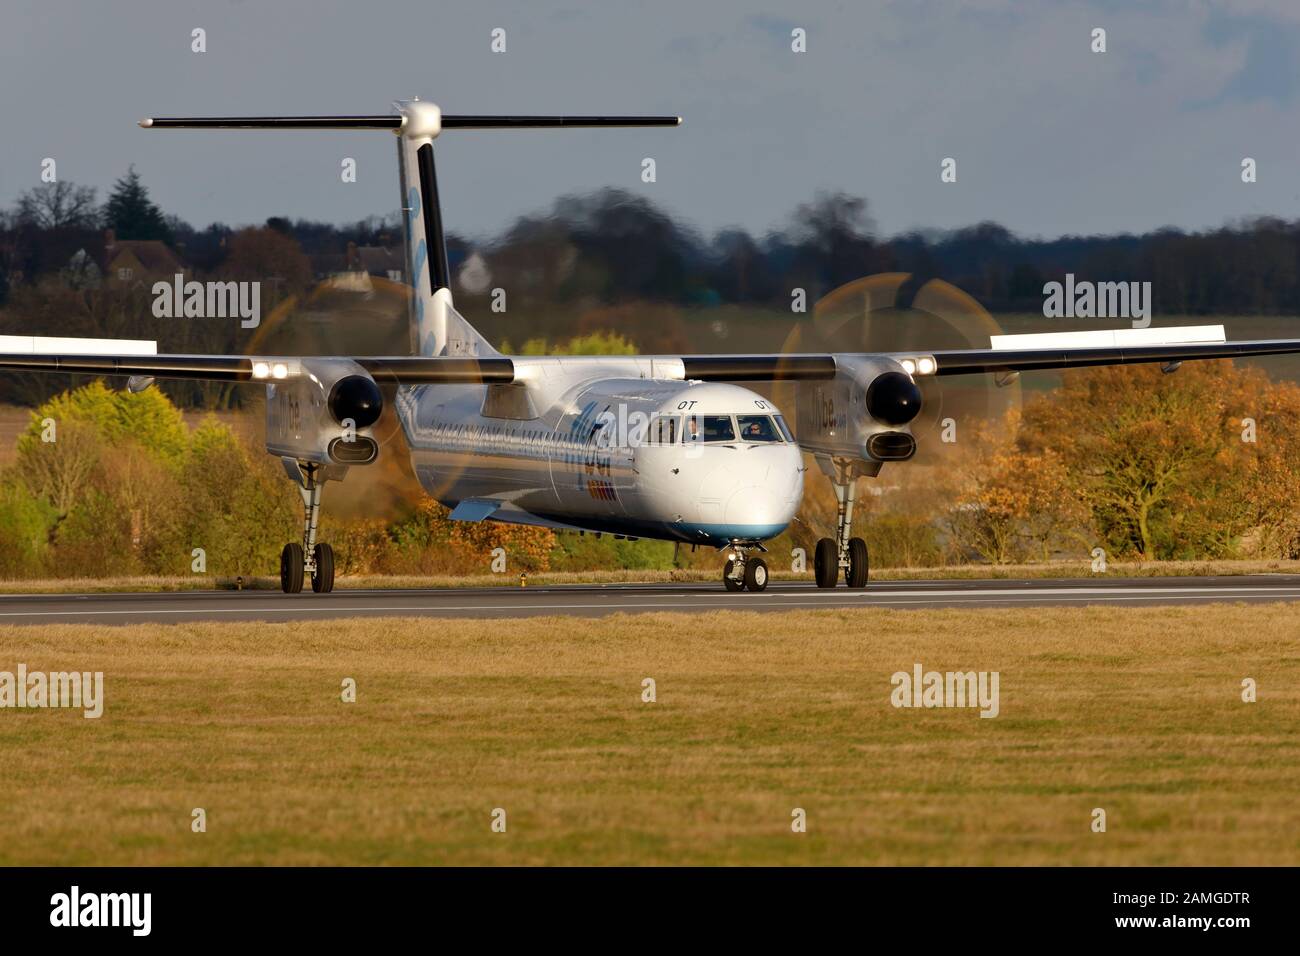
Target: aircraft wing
(408, 370)
(437, 370)
(812, 367)
(964, 361)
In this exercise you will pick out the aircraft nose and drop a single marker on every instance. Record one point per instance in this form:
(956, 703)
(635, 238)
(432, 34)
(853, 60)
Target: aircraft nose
(751, 498)
(756, 505)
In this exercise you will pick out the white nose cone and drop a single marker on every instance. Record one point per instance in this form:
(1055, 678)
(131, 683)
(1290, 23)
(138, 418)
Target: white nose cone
(755, 505)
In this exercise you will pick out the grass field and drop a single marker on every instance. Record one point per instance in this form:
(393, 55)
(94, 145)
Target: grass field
(1137, 711)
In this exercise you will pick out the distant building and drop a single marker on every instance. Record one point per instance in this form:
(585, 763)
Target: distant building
(475, 277)
(82, 272)
(384, 262)
(128, 262)
(353, 270)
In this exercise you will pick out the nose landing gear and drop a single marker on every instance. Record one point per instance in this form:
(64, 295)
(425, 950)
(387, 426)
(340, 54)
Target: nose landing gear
(742, 572)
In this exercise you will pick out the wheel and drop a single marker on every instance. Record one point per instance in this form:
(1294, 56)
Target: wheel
(291, 564)
(826, 563)
(322, 580)
(857, 573)
(730, 583)
(756, 574)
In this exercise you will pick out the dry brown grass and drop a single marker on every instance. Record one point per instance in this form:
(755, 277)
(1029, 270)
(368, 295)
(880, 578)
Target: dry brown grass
(1135, 710)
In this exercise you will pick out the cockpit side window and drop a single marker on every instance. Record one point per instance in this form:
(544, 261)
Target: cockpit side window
(757, 428)
(785, 429)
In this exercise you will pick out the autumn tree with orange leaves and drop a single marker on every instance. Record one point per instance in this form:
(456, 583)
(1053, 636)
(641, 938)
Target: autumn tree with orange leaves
(1203, 462)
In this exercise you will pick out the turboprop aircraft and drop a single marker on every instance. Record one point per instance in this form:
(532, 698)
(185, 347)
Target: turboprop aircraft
(654, 446)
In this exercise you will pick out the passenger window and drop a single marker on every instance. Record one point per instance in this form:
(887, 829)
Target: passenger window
(709, 428)
(757, 428)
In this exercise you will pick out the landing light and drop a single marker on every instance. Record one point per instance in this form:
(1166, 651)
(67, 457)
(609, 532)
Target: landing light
(261, 370)
(280, 370)
(919, 365)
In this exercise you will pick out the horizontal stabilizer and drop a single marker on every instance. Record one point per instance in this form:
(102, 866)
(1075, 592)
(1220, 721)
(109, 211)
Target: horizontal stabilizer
(553, 122)
(394, 122)
(389, 122)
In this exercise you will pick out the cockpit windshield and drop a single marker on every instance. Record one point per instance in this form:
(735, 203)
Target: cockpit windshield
(757, 428)
(709, 428)
(726, 428)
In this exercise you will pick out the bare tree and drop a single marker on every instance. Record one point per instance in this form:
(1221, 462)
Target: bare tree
(58, 205)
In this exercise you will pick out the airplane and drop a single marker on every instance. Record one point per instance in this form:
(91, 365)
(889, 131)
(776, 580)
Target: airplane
(669, 447)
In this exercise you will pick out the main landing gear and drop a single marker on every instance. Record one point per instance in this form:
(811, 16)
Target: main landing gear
(842, 553)
(743, 572)
(307, 560)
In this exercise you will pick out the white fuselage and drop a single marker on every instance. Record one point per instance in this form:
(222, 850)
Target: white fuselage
(609, 454)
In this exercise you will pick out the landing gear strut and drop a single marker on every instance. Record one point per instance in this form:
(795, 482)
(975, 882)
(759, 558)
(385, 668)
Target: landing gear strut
(842, 553)
(744, 572)
(308, 559)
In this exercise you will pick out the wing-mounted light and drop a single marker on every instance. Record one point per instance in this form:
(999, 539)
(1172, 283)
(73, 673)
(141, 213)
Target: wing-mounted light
(918, 364)
(276, 369)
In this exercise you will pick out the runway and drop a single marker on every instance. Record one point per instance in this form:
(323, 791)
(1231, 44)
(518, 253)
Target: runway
(600, 600)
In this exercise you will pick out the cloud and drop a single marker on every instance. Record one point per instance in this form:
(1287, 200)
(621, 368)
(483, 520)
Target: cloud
(1269, 49)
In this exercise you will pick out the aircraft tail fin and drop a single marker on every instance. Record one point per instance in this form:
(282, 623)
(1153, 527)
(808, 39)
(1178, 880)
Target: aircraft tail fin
(436, 327)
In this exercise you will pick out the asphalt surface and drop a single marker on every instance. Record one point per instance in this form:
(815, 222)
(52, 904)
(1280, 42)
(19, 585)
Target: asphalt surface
(599, 600)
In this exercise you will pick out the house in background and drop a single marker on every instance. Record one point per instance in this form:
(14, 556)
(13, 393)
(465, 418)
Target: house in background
(128, 262)
(385, 262)
(352, 270)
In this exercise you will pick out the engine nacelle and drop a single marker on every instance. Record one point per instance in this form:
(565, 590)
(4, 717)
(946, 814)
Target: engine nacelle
(323, 412)
(862, 413)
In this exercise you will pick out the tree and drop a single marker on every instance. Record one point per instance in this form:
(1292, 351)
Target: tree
(59, 205)
(1012, 503)
(267, 255)
(131, 214)
(88, 422)
(1160, 458)
(594, 343)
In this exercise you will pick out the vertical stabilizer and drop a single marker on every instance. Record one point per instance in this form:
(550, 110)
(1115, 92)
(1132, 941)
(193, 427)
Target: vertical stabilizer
(437, 328)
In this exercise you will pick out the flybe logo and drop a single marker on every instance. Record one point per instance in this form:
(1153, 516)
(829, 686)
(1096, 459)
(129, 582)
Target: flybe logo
(583, 422)
(74, 908)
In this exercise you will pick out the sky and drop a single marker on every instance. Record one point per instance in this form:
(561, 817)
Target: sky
(1049, 137)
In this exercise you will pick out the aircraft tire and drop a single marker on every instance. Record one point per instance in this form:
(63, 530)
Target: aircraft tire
(730, 583)
(291, 566)
(756, 574)
(858, 563)
(826, 563)
(322, 581)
